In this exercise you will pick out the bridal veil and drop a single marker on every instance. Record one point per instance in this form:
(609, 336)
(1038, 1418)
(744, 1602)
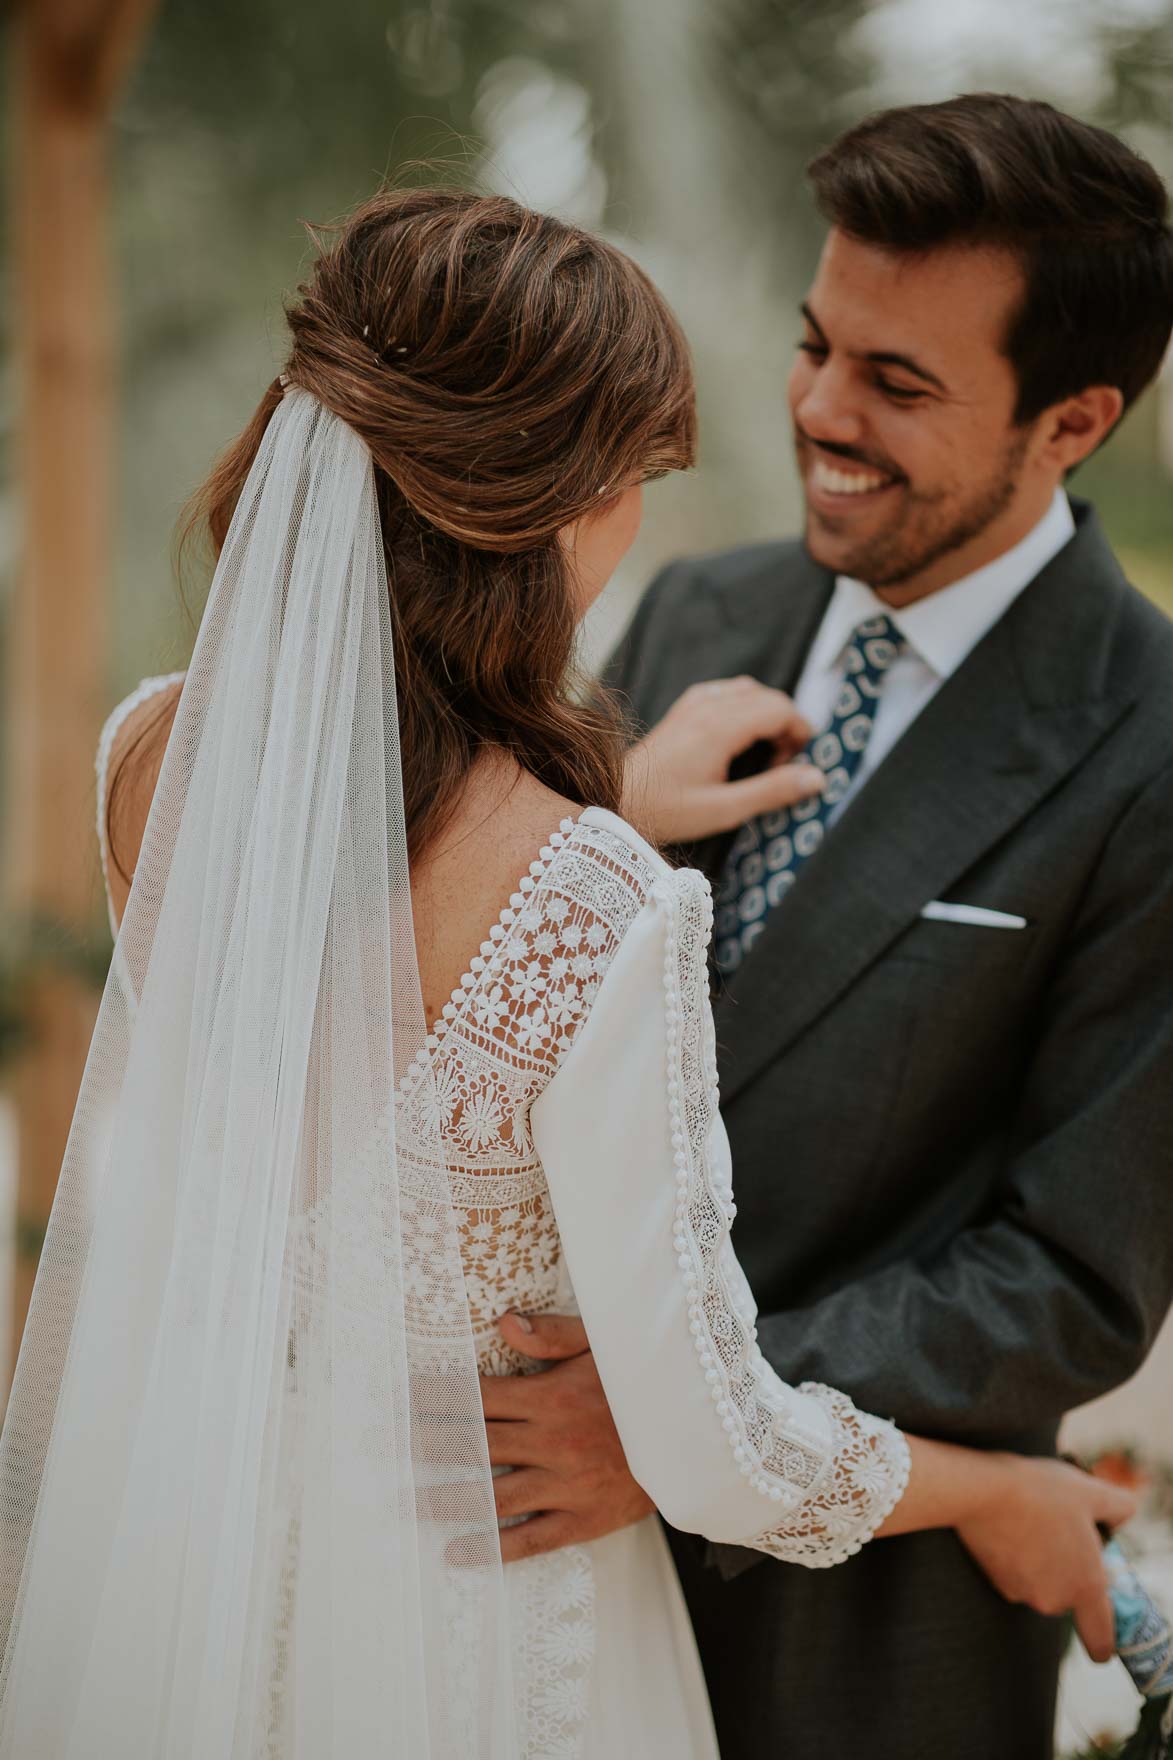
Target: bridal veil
(245, 1501)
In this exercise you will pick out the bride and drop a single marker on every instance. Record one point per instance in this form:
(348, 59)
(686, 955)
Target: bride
(333, 1127)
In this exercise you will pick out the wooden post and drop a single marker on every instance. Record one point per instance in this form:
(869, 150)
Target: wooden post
(69, 61)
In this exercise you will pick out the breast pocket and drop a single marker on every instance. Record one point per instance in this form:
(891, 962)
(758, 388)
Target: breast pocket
(974, 945)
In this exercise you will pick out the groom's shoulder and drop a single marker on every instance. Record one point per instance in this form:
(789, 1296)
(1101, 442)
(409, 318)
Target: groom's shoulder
(1139, 664)
(722, 576)
(1129, 669)
(695, 599)
(1144, 636)
(721, 571)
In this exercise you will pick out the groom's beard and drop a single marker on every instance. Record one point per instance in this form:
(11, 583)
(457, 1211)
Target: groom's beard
(926, 526)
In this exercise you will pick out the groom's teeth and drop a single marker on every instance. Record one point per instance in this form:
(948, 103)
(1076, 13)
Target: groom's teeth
(844, 482)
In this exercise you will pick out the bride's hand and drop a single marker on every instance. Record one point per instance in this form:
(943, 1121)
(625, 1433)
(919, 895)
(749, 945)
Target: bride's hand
(677, 785)
(1034, 1535)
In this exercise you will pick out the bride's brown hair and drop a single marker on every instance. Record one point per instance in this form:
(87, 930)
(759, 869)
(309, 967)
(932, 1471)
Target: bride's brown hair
(510, 374)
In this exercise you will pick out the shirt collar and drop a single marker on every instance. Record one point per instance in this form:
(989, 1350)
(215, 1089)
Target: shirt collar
(944, 627)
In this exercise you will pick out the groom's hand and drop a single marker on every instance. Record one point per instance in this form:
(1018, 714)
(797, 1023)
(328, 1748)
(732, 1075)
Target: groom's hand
(677, 787)
(570, 1474)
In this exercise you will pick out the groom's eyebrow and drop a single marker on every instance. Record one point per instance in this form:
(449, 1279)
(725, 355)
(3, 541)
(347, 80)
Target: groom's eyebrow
(879, 357)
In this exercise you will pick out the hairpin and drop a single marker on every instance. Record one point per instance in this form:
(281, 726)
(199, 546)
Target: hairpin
(381, 359)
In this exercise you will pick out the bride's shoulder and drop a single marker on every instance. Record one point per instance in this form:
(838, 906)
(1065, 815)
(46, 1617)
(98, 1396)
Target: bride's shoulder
(127, 763)
(612, 834)
(578, 832)
(591, 859)
(607, 829)
(150, 700)
(626, 872)
(149, 706)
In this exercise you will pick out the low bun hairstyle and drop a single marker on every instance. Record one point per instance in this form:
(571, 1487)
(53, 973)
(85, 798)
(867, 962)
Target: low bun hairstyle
(510, 374)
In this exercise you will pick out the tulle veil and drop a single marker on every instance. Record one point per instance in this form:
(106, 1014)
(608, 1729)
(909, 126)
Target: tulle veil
(245, 1501)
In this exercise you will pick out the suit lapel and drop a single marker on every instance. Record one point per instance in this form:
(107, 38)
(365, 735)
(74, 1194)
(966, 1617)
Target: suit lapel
(1026, 707)
(802, 598)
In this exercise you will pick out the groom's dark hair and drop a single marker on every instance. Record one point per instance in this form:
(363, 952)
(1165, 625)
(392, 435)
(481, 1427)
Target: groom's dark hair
(1087, 217)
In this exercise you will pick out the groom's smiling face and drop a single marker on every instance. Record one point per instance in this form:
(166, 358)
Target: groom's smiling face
(903, 404)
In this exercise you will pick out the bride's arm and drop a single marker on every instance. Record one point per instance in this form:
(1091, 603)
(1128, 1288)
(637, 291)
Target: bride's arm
(637, 1164)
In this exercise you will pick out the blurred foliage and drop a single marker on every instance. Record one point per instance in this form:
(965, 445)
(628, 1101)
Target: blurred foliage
(1129, 484)
(250, 117)
(32, 947)
(46, 943)
(786, 77)
(14, 1030)
(1138, 67)
(296, 96)
(1129, 480)
(789, 69)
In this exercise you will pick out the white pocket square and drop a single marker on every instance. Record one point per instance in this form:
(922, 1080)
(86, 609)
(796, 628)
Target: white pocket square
(938, 912)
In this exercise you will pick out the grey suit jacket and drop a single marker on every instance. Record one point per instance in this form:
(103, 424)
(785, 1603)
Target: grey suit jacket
(952, 1145)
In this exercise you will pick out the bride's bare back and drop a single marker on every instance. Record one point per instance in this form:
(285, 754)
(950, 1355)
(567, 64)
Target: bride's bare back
(458, 886)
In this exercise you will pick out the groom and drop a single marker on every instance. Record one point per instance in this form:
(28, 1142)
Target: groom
(944, 987)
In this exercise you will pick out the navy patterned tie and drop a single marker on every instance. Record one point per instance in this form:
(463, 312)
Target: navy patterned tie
(768, 852)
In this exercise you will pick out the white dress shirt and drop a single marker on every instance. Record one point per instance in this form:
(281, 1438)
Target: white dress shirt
(941, 630)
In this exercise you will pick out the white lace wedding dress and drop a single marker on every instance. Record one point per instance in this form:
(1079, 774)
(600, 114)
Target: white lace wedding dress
(576, 1081)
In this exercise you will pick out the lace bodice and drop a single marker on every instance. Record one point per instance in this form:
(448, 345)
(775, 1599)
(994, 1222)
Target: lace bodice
(506, 1028)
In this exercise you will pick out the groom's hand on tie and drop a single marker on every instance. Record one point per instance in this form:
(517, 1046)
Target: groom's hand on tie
(556, 1431)
(677, 787)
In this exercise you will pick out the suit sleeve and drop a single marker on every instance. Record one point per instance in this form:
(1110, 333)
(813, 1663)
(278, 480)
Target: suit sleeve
(637, 1164)
(1058, 1295)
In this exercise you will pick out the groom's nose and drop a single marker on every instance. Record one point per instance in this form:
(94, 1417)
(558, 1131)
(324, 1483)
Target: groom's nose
(826, 410)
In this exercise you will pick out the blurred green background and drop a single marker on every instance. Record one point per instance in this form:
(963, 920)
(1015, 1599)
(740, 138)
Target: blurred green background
(678, 127)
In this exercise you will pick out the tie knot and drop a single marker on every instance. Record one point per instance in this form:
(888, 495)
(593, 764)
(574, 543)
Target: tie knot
(874, 646)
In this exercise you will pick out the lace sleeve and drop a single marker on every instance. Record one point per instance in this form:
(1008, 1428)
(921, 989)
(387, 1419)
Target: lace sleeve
(833, 1473)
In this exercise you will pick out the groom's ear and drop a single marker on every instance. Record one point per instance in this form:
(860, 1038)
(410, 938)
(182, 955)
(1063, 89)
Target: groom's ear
(1072, 430)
